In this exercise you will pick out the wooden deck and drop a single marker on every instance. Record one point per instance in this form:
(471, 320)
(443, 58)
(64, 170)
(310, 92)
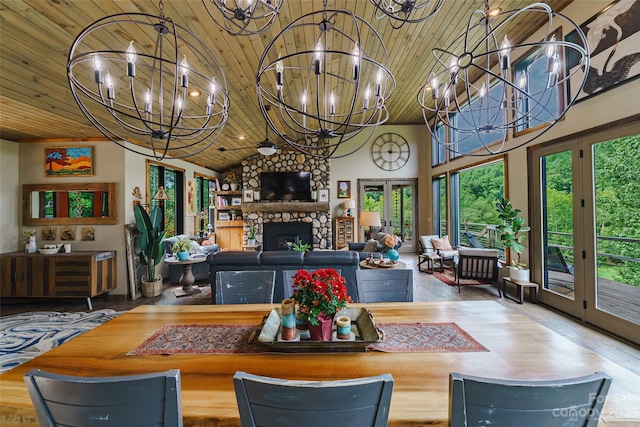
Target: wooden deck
(613, 297)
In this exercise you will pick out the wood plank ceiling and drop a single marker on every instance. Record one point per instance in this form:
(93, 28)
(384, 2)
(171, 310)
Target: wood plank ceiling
(35, 37)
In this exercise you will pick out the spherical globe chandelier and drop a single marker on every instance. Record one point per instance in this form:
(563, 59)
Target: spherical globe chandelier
(475, 94)
(328, 88)
(401, 12)
(146, 82)
(243, 17)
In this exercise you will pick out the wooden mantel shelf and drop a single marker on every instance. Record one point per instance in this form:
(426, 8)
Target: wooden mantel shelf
(285, 206)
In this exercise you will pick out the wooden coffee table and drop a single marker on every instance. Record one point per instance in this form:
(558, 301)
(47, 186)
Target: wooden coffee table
(187, 279)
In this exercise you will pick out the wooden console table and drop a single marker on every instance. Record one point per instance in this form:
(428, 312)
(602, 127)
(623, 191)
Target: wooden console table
(82, 274)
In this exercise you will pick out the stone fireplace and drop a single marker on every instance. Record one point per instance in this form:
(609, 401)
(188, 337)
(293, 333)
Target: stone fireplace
(314, 217)
(278, 236)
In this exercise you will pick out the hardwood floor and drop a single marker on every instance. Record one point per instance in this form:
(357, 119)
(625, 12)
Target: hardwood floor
(426, 288)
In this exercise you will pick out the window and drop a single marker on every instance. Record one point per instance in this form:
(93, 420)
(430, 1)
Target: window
(438, 151)
(205, 187)
(172, 180)
(474, 193)
(532, 74)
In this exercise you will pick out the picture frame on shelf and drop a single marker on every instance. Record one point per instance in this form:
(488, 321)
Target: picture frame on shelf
(224, 216)
(236, 201)
(323, 195)
(247, 195)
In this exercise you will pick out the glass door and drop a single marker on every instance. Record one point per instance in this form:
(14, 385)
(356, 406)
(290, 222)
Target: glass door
(586, 238)
(395, 201)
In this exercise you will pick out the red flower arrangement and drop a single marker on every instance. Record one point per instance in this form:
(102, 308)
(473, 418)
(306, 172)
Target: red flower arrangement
(321, 291)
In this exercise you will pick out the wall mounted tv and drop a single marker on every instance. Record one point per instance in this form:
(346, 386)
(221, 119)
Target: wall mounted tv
(285, 186)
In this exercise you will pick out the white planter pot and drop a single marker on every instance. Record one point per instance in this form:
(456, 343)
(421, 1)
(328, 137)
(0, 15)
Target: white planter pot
(520, 275)
(251, 242)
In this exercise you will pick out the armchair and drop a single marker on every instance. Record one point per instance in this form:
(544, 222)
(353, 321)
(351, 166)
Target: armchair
(477, 264)
(442, 247)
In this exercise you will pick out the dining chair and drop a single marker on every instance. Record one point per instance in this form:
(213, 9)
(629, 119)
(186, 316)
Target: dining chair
(120, 401)
(378, 285)
(487, 401)
(288, 280)
(245, 287)
(270, 402)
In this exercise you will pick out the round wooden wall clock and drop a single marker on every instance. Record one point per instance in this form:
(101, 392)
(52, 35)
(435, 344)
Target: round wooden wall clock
(390, 151)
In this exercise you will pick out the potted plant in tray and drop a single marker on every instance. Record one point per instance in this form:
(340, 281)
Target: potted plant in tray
(151, 248)
(512, 238)
(182, 248)
(320, 295)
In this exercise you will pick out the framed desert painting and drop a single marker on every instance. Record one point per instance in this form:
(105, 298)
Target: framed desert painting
(69, 161)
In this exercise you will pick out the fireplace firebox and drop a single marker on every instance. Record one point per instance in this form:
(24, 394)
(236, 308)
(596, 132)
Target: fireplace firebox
(280, 236)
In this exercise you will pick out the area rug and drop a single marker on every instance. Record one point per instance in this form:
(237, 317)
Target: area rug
(449, 278)
(27, 335)
(226, 339)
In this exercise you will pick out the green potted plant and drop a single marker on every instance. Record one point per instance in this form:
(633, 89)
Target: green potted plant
(182, 248)
(512, 236)
(151, 248)
(251, 235)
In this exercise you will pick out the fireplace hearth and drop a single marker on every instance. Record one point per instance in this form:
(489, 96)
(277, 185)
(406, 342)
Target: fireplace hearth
(280, 236)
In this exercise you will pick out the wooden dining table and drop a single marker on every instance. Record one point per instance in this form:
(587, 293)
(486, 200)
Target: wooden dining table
(519, 348)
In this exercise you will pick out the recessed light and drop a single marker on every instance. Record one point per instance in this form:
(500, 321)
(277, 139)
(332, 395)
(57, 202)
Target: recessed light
(495, 12)
(193, 93)
(241, 137)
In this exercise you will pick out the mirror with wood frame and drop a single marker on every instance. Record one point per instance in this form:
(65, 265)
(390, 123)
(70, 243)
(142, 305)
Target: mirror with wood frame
(69, 204)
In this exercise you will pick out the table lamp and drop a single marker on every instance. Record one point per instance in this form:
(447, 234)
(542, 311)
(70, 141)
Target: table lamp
(348, 206)
(369, 219)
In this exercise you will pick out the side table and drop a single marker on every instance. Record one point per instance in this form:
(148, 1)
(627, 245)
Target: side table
(187, 279)
(533, 288)
(430, 258)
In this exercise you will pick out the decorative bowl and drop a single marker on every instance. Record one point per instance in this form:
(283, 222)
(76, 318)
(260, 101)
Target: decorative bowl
(48, 251)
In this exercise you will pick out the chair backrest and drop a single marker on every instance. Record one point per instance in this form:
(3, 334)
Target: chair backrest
(479, 264)
(245, 287)
(267, 402)
(288, 280)
(384, 285)
(485, 401)
(475, 243)
(426, 244)
(122, 401)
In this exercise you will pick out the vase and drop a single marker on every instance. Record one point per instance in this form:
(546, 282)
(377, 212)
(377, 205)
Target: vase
(183, 255)
(30, 246)
(234, 186)
(322, 331)
(392, 254)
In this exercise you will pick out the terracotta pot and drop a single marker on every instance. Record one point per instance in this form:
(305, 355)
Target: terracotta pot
(322, 332)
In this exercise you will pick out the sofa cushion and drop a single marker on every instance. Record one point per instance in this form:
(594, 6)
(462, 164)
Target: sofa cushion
(235, 258)
(371, 246)
(282, 258)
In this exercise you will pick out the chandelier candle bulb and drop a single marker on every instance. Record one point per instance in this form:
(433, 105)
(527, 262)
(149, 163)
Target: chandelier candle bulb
(343, 327)
(318, 56)
(505, 50)
(288, 319)
(131, 60)
(550, 52)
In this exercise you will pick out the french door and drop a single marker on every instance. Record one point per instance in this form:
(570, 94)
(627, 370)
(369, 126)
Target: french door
(586, 228)
(395, 200)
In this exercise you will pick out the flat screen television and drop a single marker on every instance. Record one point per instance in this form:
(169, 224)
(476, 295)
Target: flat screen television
(285, 186)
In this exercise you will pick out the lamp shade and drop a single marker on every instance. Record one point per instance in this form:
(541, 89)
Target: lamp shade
(349, 204)
(267, 148)
(161, 194)
(371, 219)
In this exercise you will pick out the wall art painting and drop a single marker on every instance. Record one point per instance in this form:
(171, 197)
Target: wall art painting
(191, 197)
(68, 161)
(613, 36)
(344, 189)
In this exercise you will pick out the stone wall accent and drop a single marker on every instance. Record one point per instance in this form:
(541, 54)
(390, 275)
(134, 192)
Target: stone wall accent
(288, 161)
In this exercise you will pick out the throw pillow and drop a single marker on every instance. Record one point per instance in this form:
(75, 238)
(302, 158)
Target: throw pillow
(442, 244)
(371, 246)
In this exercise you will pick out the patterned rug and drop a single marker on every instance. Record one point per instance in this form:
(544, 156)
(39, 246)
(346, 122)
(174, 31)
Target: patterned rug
(225, 339)
(449, 278)
(27, 335)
